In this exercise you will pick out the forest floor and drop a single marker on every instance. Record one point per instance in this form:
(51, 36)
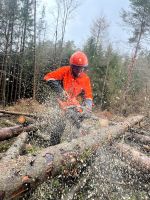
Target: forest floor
(106, 177)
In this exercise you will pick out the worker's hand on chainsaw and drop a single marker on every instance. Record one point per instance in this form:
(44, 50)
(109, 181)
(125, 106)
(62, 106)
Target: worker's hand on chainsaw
(88, 103)
(86, 112)
(87, 108)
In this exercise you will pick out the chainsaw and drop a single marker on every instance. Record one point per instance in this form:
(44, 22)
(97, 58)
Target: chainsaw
(71, 102)
(73, 109)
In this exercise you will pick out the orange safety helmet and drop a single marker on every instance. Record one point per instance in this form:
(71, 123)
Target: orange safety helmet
(79, 59)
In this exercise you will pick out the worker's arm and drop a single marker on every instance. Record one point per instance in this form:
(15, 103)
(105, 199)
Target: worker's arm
(54, 79)
(55, 85)
(58, 74)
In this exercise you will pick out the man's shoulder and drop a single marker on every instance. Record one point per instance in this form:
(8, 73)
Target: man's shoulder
(84, 75)
(65, 68)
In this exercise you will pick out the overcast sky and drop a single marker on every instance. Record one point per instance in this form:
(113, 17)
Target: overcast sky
(78, 28)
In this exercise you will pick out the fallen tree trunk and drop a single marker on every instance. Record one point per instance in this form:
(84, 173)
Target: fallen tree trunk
(8, 123)
(133, 157)
(27, 171)
(4, 115)
(2, 155)
(138, 138)
(17, 113)
(141, 131)
(6, 133)
(16, 148)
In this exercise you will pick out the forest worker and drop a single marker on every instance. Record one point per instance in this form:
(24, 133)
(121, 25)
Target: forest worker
(72, 80)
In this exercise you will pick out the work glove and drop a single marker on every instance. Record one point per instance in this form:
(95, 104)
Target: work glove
(88, 103)
(87, 109)
(86, 112)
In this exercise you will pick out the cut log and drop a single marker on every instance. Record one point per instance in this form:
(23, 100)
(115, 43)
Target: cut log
(26, 171)
(138, 138)
(17, 113)
(6, 133)
(16, 148)
(133, 157)
(25, 120)
(8, 122)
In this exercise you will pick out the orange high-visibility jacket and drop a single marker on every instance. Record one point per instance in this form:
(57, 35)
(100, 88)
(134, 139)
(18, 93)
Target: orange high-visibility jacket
(73, 86)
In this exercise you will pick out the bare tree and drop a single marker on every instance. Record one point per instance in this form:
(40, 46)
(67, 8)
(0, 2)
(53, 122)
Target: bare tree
(41, 30)
(56, 30)
(139, 21)
(98, 30)
(64, 11)
(34, 55)
(24, 25)
(8, 29)
(108, 55)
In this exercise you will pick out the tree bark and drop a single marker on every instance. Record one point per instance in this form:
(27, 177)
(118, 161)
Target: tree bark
(144, 139)
(7, 122)
(17, 113)
(16, 148)
(6, 133)
(26, 171)
(2, 155)
(34, 56)
(133, 157)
